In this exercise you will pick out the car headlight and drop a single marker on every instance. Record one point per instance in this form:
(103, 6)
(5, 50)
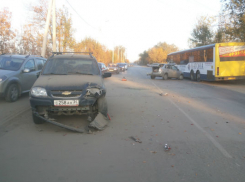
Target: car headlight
(38, 92)
(115, 69)
(2, 78)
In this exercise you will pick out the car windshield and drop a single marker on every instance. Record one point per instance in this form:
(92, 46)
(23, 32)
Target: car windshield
(10, 63)
(120, 64)
(71, 66)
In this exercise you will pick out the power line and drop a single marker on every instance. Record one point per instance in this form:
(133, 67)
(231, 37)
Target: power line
(81, 16)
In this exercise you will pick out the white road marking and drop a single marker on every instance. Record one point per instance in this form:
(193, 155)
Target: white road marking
(216, 144)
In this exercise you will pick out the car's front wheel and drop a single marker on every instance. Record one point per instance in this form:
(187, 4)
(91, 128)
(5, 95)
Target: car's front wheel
(12, 93)
(37, 120)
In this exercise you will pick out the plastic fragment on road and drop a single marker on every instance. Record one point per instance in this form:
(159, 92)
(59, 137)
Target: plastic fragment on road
(100, 122)
(135, 139)
(124, 79)
(166, 147)
(240, 133)
(154, 152)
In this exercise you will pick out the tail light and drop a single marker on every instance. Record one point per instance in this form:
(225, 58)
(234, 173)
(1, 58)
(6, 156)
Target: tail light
(217, 70)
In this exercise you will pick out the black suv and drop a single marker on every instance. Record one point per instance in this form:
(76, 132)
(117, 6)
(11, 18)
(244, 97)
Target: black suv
(18, 73)
(70, 84)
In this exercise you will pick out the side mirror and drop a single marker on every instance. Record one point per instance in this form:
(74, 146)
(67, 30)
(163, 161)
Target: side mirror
(26, 70)
(107, 74)
(38, 74)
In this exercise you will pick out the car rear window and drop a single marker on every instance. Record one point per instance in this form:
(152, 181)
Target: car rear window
(71, 66)
(10, 63)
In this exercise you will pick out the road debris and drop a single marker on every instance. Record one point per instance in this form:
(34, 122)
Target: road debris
(240, 133)
(166, 147)
(165, 94)
(154, 152)
(135, 139)
(192, 124)
(172, 166)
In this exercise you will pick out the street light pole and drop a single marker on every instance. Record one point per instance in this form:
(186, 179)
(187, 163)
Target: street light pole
(54, 27)
(46, 30)
(113, 55)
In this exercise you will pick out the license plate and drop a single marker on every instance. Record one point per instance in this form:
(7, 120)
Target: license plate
(66, 102)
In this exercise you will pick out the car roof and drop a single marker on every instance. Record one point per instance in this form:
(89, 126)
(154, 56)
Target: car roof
(20, 56)
(67, 56)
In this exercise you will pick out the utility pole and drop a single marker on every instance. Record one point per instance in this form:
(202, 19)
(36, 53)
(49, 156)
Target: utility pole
(113, 55)
(54, 27)
(46, 30)
(118, 54)
(121, 56)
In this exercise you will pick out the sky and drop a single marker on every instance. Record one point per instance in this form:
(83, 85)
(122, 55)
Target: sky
(135, 24)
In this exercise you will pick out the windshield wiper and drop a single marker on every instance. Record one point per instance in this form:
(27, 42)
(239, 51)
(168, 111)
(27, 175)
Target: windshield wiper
(80, 73)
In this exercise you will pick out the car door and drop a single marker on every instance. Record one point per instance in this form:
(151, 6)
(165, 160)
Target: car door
(28, 79)
(175, 72)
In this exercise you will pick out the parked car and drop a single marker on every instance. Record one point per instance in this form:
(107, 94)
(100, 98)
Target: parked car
(121, 66)
(113, 68)
(103, 68)
(166, 71)
(69, 84)
(18, 73)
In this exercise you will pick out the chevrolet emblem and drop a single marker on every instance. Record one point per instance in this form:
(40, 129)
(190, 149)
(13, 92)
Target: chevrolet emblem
(66, 93)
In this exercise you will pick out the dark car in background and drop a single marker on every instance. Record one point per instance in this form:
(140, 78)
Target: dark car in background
(121, 67)
(104, 70)
(18, 73)
(113, 68)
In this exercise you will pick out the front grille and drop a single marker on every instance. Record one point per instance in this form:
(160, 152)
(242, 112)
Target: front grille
(60, 95)
(72, 94)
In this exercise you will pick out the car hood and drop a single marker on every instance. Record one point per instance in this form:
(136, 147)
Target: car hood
(68, 82)
(5, 72)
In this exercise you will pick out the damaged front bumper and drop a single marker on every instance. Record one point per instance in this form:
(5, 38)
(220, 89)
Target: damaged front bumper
(92, 103)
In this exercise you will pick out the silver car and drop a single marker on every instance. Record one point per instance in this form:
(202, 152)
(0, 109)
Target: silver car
(166, 71)
(170, 71)
(17, 74)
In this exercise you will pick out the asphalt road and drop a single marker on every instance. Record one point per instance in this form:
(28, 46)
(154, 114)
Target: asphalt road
(202, 122)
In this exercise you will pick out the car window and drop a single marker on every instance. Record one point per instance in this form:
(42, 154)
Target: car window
(30, 65)
(39, 63)
(10, 63)
(167, 66)
(71, 66)
(174, 68)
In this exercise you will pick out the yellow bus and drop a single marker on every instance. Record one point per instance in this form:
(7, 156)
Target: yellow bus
(215, 62)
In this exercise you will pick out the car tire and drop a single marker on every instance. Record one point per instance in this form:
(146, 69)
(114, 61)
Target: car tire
(198, 76)
(192, 76)
(165, 76)
(37, 120)
(12, 93)
(181, 77)
(152, 77)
